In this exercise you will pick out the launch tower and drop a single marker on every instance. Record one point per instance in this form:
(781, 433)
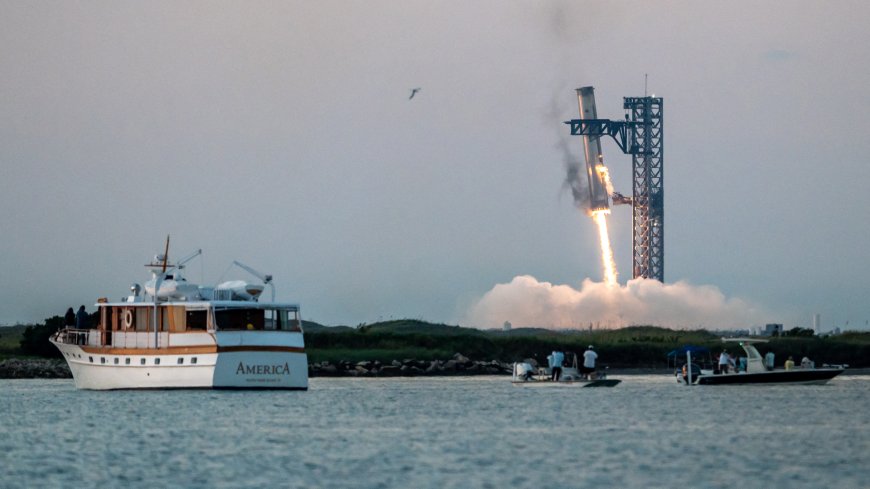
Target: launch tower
(641, 136)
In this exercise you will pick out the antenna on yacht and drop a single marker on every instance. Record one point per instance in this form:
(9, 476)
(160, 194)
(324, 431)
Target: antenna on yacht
(267, 279)
(157, 279)
(166, 254)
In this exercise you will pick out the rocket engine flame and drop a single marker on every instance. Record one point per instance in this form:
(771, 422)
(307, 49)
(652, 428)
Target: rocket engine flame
(607, 262)
(605, 175)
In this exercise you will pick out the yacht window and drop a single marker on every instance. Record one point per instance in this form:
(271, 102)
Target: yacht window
(116, 360)
(102, 359)
(141, 318)
(193, 360)
(181, 360)
(141, 361)
(290, 320)
(127, 361)
(91, 359)
(271, 320)
(156, 361)
(240, 319)
(197, 320)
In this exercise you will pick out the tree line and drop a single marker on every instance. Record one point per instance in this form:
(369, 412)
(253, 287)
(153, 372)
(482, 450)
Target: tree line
(637, 346)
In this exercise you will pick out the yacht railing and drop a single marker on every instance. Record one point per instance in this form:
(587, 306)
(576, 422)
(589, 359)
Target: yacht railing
(73, 336)
(117, 339)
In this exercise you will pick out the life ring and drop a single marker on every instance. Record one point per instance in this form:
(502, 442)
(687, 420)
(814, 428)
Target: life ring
(128, 318)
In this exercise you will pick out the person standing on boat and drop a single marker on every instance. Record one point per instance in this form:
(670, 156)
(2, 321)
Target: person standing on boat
(789, 364)
(768, 360)
(82, 319)
(589, 357)
(724, 361)
(556, 367)
(82, 322)
(69, 319)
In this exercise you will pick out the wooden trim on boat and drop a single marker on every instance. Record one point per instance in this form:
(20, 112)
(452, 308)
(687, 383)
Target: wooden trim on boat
(188, 350)
(171, 350)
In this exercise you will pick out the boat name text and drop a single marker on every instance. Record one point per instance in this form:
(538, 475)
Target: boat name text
(263, 369)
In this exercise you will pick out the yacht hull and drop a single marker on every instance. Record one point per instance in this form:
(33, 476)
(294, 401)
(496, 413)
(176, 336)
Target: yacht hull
(192, 368)
(808, 376)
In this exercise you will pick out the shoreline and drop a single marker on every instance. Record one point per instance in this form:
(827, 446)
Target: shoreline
(51, 368)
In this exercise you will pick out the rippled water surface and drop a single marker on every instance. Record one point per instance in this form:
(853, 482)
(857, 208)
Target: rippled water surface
(438, 432)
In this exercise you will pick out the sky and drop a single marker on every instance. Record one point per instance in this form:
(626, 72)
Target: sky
(280, 134)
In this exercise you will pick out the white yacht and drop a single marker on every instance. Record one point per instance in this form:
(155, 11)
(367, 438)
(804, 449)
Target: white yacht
(176, 334)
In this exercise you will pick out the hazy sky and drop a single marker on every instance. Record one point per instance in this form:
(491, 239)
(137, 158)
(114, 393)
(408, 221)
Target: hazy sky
(281, 134)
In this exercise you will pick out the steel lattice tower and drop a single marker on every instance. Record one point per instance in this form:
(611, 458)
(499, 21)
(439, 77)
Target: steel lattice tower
(641, 136)
(644, 115)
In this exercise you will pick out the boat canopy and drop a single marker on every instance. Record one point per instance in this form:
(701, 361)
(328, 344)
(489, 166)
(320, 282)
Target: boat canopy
(688, 349)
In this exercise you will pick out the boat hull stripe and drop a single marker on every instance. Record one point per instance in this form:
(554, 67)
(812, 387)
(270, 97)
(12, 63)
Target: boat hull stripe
(189, 350)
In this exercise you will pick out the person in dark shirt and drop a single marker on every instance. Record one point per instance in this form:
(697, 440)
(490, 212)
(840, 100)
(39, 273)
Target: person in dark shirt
(82, 319)
(69, 319)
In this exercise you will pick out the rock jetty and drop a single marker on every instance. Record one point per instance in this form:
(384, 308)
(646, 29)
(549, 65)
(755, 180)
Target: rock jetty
(34, 368)
(458, 365)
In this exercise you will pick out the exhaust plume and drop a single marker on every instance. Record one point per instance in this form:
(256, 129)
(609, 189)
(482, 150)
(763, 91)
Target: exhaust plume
(526, 302)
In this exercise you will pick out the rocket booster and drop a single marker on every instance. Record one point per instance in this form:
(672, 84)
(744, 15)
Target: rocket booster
(598, 197)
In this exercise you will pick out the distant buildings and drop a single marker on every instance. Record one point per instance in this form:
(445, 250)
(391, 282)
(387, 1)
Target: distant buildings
(772, 329)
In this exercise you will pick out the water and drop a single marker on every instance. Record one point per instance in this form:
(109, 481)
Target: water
(438, 432)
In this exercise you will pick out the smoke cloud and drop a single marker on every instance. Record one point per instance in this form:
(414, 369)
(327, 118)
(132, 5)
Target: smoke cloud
(575, 178)
(527, 302)
(575, 172)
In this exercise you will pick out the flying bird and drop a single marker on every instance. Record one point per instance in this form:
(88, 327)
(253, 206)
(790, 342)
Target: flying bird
(414, 92)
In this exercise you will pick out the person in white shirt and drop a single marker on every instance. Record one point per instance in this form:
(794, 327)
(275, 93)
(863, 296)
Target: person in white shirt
(589, 357)
(524, 371)
(724, 361)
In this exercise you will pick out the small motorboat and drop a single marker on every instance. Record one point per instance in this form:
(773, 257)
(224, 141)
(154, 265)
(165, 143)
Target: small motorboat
(524, 374)
(755, 372)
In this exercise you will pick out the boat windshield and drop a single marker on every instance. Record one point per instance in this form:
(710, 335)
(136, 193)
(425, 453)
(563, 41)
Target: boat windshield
(257, 319)
(751, 351)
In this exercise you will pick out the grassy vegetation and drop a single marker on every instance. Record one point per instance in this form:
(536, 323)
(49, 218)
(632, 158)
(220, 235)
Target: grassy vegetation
(10, 341)
(640, 346)
(336, 355)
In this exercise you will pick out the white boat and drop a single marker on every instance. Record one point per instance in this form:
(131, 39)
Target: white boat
(526, 375)
(755, 371)
(205, 337)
